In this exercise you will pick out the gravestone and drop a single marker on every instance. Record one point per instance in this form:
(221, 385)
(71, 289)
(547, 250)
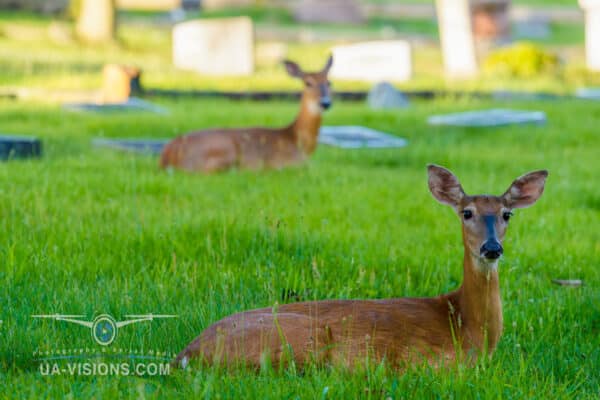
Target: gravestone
(385, 96)
(119, 82)
(389, 60)
(490, 19)
(19, 147)
(488, 118)
(588, 93)
(347, 137)
(328, 11)
(532, 28)
(456, 36)
(142, 146)
(96, 20)
(215, 47)
(355, 137)
(592, 33)
(132, 104)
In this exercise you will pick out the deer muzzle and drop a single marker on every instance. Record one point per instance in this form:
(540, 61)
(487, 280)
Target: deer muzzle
(491, 248)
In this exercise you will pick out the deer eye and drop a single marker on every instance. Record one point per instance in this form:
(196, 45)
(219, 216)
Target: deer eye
(467, 214)
(506, 215)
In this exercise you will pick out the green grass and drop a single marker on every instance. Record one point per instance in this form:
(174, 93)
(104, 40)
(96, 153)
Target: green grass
(89, 231)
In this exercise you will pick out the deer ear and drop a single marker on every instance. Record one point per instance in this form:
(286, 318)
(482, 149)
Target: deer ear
(444, 186)
(293, 69)
(526, 189)
(328, 64)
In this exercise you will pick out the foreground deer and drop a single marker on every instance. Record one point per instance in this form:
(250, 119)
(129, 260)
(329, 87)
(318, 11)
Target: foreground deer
(465, 322)
(219, 149)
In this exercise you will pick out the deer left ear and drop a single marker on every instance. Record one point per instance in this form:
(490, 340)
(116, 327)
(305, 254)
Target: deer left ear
(444, 186)
(293, 69)
(526, 189)
(328, 65)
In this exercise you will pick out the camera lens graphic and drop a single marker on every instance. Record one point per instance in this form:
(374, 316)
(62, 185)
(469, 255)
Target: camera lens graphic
(104, 329)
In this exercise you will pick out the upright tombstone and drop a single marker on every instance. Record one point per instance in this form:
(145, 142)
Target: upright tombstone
(215, 46)
(96, 20)
(385, 60)
(456, 36)
(592, 33)
(119, 82)
(384, 96)
(329, 11)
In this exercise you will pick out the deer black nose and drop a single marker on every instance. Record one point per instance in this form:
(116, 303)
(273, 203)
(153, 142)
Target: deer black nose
(325, 104)
(491, 249)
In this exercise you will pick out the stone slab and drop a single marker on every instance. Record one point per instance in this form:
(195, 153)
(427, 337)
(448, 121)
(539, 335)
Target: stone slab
(347, 137)
(489, 118)
(133, 104)
(385, 96)
(354, 137)
(12, 147)
(588, 93)
(385, 60)
(223, 46)
(143, 146)
(533, 28)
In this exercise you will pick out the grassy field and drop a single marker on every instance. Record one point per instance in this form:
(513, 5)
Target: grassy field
(88, 231)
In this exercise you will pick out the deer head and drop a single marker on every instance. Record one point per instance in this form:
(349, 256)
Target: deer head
(316, 83)
(485, 217)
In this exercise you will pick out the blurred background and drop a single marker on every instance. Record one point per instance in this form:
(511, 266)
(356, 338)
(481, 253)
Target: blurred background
(59, 49)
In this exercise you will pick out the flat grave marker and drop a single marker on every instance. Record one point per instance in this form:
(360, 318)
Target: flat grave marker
(133, 104)
(346, 137)
(588, 93)
(489, 118)
(13, 146)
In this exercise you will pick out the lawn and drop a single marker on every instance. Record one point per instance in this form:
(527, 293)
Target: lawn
(88, 231)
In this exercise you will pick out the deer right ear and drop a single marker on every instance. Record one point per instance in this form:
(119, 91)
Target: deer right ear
(293, 69)
(526, 189)
(444, 186)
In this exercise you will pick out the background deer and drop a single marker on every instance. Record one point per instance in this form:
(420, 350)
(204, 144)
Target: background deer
(453, 326)
(219, 149)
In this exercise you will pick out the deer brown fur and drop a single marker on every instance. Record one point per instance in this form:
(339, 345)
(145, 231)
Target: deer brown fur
(215, 150)
(456, 326)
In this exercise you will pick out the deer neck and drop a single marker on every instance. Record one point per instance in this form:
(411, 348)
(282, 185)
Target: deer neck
(479, 304)
(308, 122)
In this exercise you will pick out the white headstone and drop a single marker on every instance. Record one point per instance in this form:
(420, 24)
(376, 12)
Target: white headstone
(387, 60)
(592, 33)
(215, 46)
(456, 36)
